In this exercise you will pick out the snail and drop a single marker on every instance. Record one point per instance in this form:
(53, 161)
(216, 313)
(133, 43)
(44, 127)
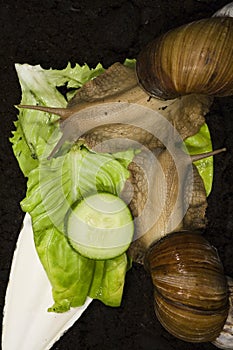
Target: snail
(109, 107)
(183, 267)
(190, 287)
(194, 58)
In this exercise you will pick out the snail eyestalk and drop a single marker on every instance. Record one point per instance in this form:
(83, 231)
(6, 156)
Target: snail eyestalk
(64, 113)
(197, 157)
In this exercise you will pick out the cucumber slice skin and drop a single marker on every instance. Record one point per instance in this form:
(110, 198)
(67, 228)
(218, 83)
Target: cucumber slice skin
(100, 226)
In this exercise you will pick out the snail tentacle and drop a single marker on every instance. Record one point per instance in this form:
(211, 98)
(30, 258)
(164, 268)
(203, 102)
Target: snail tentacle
(64, 113)
(197, 157)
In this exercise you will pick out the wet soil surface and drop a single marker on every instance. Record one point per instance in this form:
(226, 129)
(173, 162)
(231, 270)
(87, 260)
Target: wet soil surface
(51, 33)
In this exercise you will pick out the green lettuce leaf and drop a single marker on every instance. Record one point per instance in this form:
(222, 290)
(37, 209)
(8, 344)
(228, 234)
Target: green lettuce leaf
(34, 131)
(199, 143)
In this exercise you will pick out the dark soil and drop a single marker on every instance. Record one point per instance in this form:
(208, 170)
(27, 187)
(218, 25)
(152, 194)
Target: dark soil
(51, 33)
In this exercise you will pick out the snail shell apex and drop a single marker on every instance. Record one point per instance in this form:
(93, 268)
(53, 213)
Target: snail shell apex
(191, 293)
(194, 58)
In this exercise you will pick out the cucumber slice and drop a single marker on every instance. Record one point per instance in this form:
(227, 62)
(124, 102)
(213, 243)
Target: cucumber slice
(100, 226)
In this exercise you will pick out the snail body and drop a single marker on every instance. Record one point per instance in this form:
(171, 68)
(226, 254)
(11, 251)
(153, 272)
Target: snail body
(168, 191)
(190, 289)
(97, 112)
(194, 58)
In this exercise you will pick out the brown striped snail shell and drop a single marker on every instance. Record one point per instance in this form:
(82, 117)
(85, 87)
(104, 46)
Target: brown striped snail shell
(190, 289)
(194, 58)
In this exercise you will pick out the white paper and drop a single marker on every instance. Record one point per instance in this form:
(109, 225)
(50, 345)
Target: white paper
(26, 323)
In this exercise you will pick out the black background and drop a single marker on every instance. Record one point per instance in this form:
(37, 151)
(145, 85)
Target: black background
(51, 33)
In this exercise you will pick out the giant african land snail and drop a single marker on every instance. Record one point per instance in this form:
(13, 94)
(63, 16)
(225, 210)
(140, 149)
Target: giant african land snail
(190, 288)
(119, 84)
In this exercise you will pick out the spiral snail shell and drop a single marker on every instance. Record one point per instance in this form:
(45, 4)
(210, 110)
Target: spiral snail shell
(194, 58)
(190, 289)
